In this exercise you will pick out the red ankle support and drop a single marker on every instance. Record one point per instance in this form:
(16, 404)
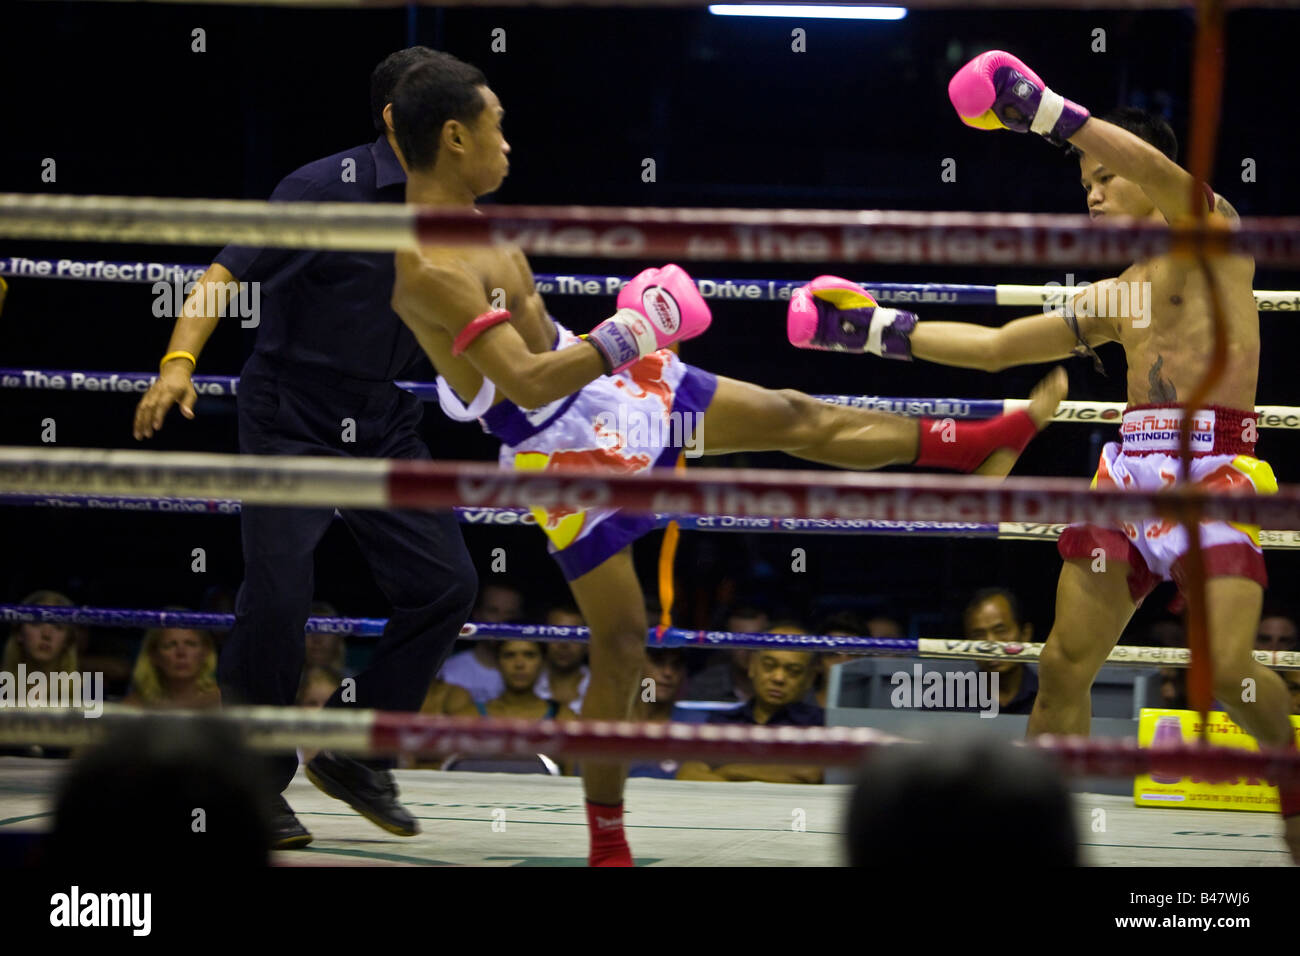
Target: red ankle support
(608, 841)
(963, 446)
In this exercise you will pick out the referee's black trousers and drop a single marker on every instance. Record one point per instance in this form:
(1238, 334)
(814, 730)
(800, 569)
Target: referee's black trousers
(418, 559)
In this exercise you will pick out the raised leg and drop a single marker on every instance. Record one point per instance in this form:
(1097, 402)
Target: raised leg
(745, 417)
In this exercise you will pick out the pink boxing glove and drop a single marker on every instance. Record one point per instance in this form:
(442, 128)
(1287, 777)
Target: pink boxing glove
(837, 315)
(657, 308)
(997, 89)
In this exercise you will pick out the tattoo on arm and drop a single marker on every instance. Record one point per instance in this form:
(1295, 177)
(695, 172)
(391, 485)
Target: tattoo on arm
(1224, 209)
(1082, 347)
(1161, 389)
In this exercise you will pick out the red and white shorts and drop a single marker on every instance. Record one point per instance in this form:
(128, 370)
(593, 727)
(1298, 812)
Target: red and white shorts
(1147, 461)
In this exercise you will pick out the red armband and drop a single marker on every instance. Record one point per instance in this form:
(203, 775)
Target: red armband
(476, 328)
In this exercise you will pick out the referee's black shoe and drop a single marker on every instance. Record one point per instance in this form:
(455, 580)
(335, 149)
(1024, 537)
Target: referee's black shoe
(372, 793)
(287, 833)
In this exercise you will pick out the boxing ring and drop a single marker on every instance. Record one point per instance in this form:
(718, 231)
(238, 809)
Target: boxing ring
(716, 820)
(669, 822)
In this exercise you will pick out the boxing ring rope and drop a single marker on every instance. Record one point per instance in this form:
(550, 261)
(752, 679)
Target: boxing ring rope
(1285, 417)
(653, 4)
(587, 284)
(785, 235)
(275, 729)
(671, 637)
(522, 517)
(402, 483)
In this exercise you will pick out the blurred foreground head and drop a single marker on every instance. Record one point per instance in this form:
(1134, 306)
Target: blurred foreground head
(956, 801)
(163, 791)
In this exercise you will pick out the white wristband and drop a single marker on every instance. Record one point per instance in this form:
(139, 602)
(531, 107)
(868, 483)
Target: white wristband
(881, 319)
(638, 326)
(1050, 108)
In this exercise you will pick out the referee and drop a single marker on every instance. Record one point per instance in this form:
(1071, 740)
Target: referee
(320, 382)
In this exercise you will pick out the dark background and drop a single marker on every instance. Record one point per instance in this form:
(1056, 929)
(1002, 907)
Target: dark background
(731, 116)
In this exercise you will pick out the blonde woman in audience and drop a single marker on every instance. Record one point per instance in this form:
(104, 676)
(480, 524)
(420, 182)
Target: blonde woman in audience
(176, 667)
(46, 647)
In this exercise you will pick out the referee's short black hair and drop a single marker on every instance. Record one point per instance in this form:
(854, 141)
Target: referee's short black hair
(385, 76)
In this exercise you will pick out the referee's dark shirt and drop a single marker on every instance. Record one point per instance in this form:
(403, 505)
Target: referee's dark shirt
(331, 309)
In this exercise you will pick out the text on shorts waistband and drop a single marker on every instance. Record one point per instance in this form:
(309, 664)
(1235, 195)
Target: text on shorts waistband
(1216, 430)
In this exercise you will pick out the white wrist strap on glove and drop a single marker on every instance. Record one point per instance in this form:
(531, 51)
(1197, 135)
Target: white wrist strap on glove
(881, 319)
(1050, 108)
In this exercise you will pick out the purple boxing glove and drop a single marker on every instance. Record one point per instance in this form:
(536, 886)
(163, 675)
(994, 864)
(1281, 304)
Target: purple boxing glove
(837, 315)
(997, 89)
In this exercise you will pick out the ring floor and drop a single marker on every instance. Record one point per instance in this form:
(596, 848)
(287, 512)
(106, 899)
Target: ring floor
(481, 819)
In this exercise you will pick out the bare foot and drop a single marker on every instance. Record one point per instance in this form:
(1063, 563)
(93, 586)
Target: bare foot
(1043, 400)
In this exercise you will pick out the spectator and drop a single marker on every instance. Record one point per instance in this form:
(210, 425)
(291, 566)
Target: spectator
(318, 684)
(520, 664)
(780, 680)
(46, 647)
(726, 676)
(1166, 632)
(993, 614)
(325, 649)
(108, 650)
(499, 603)
(748, 619)
(1173, 688)
(448, 700)
(1277, 632)
(1172, 681)
(476, 669)
(442, 700)
(565, 675)
(916, 802)
(1277, 628)
(840, 624)
(176, 667)
(665, 667)
(882, 626)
